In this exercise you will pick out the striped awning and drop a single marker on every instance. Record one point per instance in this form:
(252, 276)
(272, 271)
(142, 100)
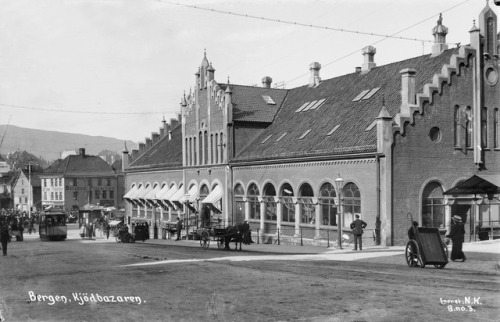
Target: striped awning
(150, 197)
(175, 199)
(141, 196)
(152, 194)
(130, 193)
(165, 198)
(193, 197)
(160, 192)
(213, 200)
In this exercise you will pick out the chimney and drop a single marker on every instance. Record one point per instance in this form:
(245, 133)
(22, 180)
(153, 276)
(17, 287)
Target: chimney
(162, 132)
(81, 151)
(135, 154)
(314, 80)
(408, 86)
(142, 148)
(439, 32)
(266, 82)
(357, 69)
(169, 135)
(125, 157)
(173, 124)
(148, 143)
(154, 138)
(368, 52)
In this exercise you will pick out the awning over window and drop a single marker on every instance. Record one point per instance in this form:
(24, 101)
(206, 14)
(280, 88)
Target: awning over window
(129, 194)
(477, 185)
(161, 192)
(150, 197)
(193, 196)
(213, 200)
(175, 199)
(141, 196)
(165, 198)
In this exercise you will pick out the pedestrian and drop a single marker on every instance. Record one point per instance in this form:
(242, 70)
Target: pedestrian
(411, 231)
(4, 236)
(456, 235)
(108, 228)
(179, 228)
(357, 227)
(91, 230)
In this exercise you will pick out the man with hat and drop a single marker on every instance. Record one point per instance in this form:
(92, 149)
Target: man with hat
(456, 235)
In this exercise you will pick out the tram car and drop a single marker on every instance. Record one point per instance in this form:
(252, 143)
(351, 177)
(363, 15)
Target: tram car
(52, 225)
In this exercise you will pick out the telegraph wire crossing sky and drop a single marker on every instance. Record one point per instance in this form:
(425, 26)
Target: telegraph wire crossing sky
(117, 67)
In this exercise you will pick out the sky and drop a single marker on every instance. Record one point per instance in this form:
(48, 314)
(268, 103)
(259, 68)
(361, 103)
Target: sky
(116, 68)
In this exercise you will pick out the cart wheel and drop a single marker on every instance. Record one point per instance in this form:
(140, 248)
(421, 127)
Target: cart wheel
(117, 238)
(220, 243)
(204, 239)
(412, 254)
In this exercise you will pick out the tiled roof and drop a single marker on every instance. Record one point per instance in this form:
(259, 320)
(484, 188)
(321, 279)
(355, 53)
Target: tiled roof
(80, 165)
(250, 106)
(165, 153)
(353, 118)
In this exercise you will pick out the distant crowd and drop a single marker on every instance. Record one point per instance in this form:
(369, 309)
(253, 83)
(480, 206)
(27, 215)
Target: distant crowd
(18, 220)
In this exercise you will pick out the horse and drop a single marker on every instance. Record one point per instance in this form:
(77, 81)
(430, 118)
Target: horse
(236, 233)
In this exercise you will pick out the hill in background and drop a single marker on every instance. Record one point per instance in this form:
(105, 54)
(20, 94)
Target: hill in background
(49, 145)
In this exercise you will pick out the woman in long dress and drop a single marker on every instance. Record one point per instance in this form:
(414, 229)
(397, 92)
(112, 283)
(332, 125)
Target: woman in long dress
(456, 235)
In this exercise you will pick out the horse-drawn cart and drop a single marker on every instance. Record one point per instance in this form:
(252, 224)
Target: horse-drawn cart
(426, 247)
(223, 236)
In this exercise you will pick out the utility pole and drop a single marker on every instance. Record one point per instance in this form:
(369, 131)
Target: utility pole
(29, 190)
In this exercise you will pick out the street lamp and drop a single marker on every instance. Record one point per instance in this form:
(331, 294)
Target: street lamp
(339, 183)
(186, 213)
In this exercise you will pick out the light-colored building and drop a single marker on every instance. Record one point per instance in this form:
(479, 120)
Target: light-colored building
(27, 191)
(78, 180)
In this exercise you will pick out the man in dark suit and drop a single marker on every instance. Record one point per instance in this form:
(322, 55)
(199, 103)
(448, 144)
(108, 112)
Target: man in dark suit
(357, 227)
(179, 228)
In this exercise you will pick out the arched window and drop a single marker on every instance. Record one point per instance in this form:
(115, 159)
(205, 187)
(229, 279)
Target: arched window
(456, 126)
(200, 148)
(269, 202)
(216, 148)
(433, 206)
(212, 148)
(287, 205)
(253, 201)
(484, 127)
(187, 151)
(221, 146)
(328, 208)
(205, 147)
(496, 129)
(307, 208)
(239, 196)
(351, 203)
(468, 127)
(194, 151)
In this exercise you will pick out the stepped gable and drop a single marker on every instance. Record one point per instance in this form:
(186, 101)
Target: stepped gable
(434, 86)
(250, 106)
(165, 153)
(353, 120)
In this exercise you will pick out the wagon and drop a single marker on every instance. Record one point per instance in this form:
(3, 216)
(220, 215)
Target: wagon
(426, 248)
(214, 234)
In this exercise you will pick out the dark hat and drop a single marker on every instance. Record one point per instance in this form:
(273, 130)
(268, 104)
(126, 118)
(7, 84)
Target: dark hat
(457, 218)
(415, 223)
